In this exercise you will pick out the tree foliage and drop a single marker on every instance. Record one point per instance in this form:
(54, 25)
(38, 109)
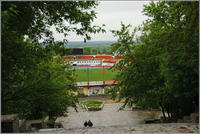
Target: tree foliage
(59, 48)
(35, 19)
(161, 69)
(34, 84)
(87, 50)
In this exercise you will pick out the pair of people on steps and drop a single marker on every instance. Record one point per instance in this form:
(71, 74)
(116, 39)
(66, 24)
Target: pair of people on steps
(89, 124)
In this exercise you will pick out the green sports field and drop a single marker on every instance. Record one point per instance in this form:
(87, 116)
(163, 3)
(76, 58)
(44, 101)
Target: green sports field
(94, 75)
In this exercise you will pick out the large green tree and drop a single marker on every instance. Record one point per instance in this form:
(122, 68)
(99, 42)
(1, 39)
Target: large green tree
(35, 19)
(33, 83)
(161, 69)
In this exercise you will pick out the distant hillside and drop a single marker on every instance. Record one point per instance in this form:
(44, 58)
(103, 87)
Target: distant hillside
(78, 44)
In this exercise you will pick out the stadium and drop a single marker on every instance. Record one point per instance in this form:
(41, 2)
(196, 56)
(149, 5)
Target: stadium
(93, 73)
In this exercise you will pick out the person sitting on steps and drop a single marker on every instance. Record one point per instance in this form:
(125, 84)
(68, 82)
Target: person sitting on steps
(85, 123)
(90, 124)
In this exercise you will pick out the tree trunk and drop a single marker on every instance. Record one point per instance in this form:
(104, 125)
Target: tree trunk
(167, 109)
(163, 110)
(50, 115)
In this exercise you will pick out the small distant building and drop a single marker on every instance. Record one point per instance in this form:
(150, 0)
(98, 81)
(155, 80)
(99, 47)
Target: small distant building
(86, 62)
(109, 62)
(95, 87)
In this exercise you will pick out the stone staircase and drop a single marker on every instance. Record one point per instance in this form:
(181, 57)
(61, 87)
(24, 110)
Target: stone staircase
(141, 129)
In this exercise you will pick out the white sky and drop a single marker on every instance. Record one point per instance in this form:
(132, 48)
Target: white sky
(112, 13)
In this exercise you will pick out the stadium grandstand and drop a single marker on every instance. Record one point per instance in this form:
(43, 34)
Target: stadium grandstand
(91, 60)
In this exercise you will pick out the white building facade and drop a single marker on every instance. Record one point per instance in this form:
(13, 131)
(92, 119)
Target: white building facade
(93, 62)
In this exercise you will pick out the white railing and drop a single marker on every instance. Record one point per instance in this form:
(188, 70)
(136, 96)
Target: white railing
(91, 83)
(95, 83)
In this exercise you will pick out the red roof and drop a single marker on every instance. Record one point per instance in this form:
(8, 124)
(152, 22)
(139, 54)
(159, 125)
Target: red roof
(104, 56)
(90, 57)
(110, 60)
(67, 57)
(84, 57)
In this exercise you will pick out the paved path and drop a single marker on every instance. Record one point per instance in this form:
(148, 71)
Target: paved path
(109, 116)
(110, 120)
(168, 128)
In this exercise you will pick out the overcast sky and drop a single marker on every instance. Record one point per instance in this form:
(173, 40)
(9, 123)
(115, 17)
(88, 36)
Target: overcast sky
(112, 13)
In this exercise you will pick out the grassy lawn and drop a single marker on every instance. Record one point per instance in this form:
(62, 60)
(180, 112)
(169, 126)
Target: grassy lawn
(94, 75)
(92, 103)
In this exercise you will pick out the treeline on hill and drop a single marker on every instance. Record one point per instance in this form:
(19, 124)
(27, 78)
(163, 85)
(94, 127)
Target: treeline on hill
(63, 50)
(96, 50)
(92, 47)
(34, 84)
(161, 70)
